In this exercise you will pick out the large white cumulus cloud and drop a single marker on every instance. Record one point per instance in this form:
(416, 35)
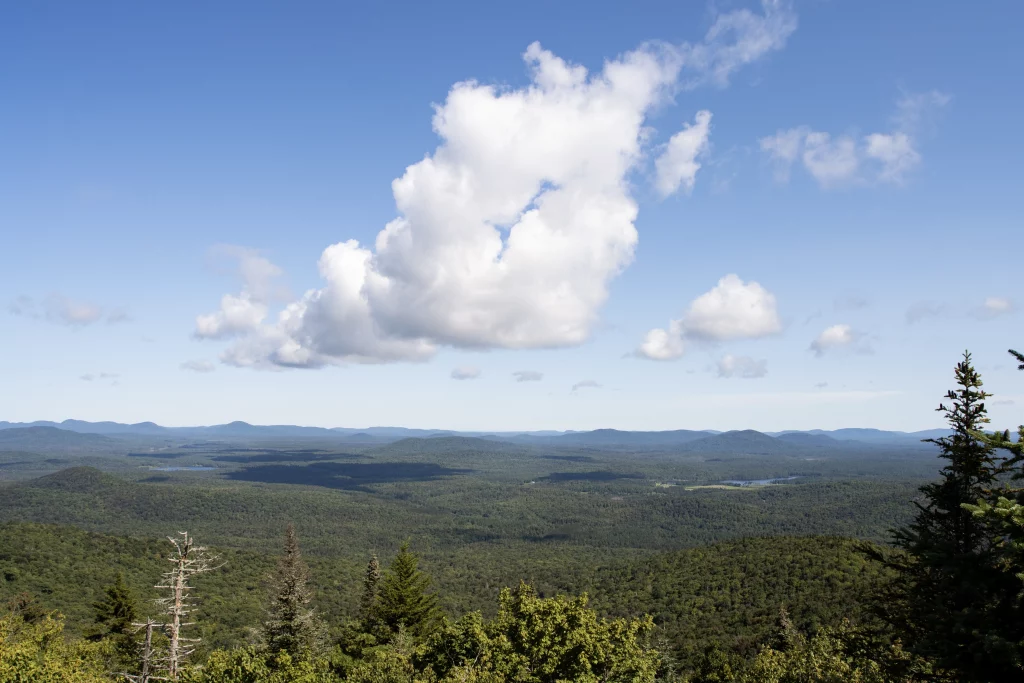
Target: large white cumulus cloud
(509, 234)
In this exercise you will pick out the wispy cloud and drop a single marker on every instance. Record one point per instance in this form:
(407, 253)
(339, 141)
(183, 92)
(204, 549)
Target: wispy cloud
(465, 372)
(922, 310)
(90, 377)
(850, 302)
(743, 367)
(201, 366)
(840, 337)
(841, 160)
(528, 375)
(585, 384)
(119, 315)
(991, 307)
(678, 164)
(62, 310)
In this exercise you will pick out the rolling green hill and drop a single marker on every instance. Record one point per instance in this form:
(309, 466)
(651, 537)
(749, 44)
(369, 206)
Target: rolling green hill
(52, 439)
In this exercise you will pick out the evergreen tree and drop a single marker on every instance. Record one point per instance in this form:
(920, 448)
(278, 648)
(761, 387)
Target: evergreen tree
(368, 601)
(1002, 511)
(116, 611)
(1003, 441)
(949, 594)
(787, 637)
(291, 626)
(115, 617)
(403, 600)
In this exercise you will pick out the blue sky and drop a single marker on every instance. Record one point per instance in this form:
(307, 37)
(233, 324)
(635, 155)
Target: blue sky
(852, 166)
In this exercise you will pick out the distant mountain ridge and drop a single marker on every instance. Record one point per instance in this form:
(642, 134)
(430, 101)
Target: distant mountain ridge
(45, 437)
(685, 439)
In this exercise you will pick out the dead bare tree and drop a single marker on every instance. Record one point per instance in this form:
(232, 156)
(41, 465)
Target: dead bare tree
(188, 559)
(147, 657)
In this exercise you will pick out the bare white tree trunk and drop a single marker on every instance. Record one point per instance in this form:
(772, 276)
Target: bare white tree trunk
(146, 656)
(188, 559)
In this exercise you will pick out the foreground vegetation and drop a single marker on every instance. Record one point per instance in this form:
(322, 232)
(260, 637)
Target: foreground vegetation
(943, 603)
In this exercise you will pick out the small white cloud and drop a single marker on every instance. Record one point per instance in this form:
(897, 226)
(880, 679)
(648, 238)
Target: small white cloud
(733, 309)
(994, 306)
(839, 337)
(663, 344)
(585, 384)
(895, 152)
(845, 159)
(109, 375)
(198, 366)
(784, 148)
(742, 366)
(925, 309)
(465, 372)
(528, 375)
(831, 162)
(88, 377)
(1004, 402)
(677, 166)
(821, 385)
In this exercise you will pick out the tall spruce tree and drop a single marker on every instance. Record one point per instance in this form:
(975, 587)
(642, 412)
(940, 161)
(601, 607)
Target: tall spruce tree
(403, 601)
(950, 596)
(1002, 511)
(368, 607)
(291, 626)
(114, 621)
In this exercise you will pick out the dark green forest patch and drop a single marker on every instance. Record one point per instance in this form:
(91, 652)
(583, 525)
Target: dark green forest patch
(597, 475)
(349, 476)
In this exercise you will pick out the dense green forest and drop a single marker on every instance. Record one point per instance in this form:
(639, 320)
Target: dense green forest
(735, 557)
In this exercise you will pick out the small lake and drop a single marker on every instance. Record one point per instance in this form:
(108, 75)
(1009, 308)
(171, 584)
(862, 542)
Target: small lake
(193, 468)
(756, 482)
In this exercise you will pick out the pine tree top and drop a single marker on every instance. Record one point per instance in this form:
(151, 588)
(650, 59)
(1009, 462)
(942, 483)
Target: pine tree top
(403, 599)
